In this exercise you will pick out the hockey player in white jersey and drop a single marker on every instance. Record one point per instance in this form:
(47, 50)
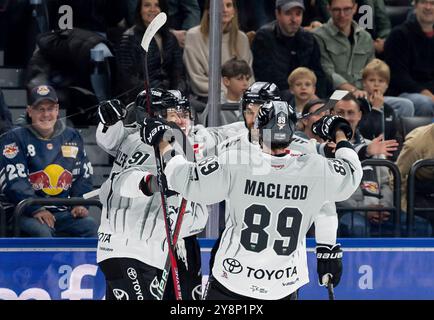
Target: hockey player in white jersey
(228, 135)
(273, 201)
(132, 247)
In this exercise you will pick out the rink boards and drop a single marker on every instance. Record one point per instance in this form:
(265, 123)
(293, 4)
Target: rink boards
(66, 269)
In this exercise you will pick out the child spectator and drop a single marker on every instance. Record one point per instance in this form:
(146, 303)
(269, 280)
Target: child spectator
(236, 74)
(302, 84)
(382, 118)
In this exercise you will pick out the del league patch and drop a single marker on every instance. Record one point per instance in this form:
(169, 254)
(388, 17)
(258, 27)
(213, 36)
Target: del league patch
(10, 150)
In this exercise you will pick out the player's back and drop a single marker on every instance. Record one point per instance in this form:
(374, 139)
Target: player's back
(272, 202)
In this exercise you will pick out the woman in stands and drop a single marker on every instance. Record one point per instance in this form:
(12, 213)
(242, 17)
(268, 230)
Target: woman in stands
(234, 44)
(165, 66)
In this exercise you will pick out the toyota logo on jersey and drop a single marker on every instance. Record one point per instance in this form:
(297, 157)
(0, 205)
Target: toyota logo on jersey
(132, 273)
(232, 266)
(121, 294)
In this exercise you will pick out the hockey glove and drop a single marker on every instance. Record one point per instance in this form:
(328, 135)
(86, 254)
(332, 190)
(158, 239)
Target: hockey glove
(327, 126)
(153, 130)
(111, 111)
(329, 262)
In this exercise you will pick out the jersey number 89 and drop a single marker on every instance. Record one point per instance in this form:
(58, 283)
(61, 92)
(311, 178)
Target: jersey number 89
(257, 219)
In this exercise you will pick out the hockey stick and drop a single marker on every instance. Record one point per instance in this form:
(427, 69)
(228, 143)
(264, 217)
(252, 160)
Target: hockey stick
(167, 265)
(327, 281)
(91, 194)
(150, 32)
(334, 98)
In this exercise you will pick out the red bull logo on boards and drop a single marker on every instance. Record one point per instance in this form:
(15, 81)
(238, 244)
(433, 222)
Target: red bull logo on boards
(53, 180)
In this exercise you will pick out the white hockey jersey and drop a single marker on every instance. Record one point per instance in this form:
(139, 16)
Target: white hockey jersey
(272, 203)
(214, 140)
(132, 224)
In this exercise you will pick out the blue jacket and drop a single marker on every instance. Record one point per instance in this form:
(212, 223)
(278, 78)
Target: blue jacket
(35, 167)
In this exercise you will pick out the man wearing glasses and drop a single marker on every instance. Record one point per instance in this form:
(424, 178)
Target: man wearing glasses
(346, 49)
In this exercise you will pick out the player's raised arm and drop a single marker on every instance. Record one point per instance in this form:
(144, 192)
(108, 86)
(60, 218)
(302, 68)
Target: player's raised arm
(110, 132)
(192, 178)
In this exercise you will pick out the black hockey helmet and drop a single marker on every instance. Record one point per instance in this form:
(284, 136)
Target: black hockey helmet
(183, 105)
(259, 93)
(161, 100)
(276, 124)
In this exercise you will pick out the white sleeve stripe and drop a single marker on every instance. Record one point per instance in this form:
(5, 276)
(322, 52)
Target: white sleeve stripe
(115, 110)
(101, 117)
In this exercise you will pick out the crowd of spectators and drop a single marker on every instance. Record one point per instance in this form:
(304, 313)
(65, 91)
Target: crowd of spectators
(309, 48)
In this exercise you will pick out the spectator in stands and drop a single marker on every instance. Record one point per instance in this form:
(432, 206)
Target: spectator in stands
(45, 159)
(183, 15)
(63, 60)
(346, 49)
(382, 118)
(165, 66)
(234, 43)
(419, 144)
(374, 189)
(302, 85)
(305, 125)
(236, 74)
(5, 115)
(381, 25)
(409, 51)
(282, 46)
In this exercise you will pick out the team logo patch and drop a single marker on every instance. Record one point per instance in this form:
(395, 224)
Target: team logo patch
(43, 90)
(69, 151)
(10, 150)
(52, 180)
(49, 146)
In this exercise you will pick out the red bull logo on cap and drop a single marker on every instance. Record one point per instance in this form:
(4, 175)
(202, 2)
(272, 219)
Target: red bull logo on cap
(10, 150)
(53, 180)
(370, 186)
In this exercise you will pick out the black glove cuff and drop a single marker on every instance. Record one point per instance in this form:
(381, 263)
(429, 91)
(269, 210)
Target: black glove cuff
(344, 144)
(144, 187)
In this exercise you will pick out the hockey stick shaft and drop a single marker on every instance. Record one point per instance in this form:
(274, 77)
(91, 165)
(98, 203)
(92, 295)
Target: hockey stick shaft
(162, 183)
(150, 32)
(167, 265)
(327, 280)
